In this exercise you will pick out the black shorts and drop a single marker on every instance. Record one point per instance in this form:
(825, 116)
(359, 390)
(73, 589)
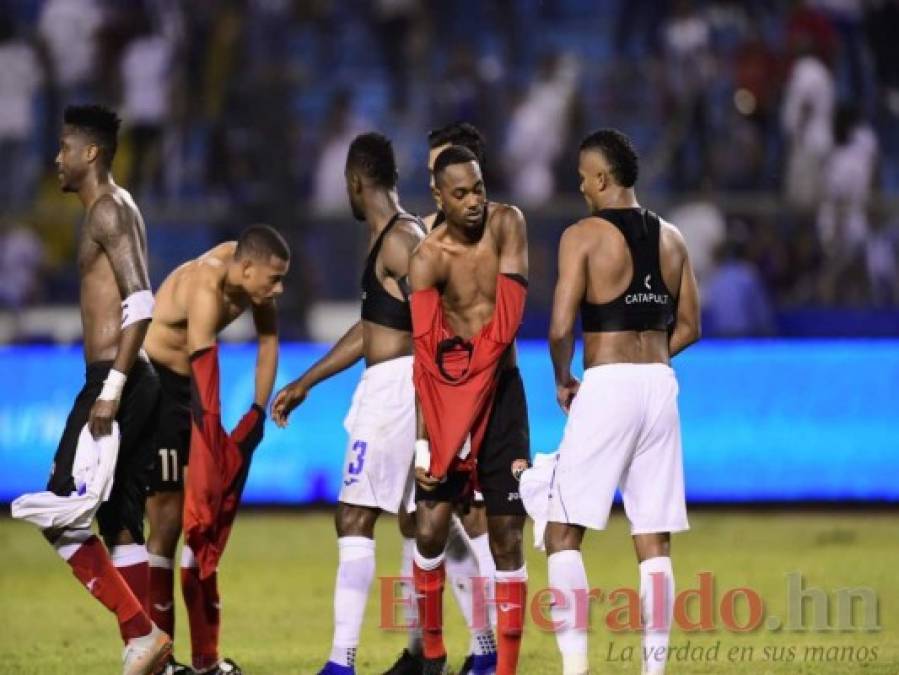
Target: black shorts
(506, 439)
(137, 411)
(171, 447)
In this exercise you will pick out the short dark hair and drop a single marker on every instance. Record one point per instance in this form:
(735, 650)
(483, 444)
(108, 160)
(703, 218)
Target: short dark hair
(372, 155)
(619, 153)
(454, 154)
(459, 133)
(262, 242)
(98, 122)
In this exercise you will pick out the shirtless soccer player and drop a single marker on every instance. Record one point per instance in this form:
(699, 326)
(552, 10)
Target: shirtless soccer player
(471, 540)
(116, 304)
(193, 305)
(628, 272)
(468, 282)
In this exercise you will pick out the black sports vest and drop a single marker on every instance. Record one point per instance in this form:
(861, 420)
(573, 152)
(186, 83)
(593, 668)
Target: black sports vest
(378, 306)
(646, 304)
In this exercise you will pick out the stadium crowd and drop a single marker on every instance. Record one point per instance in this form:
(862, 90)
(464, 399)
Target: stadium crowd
(770, 130)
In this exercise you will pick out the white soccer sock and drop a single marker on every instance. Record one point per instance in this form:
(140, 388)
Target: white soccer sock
(410, 609)
(487, 567)
(68, 543)
(160, 561)
(567, 575)
(461, 569)
(126, 555)
(355, 571)
(657, 604)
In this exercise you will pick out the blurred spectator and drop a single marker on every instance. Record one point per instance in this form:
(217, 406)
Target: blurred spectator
(704, 228)
(735, 302)
(395, 20)
(21, 260)
(538, 130)
(69, 29)
(329, 185)
(843, 211)
(689, 67)
(462, 92)
(881, 255)
(807, 118)
(20, 78)
(146, 69)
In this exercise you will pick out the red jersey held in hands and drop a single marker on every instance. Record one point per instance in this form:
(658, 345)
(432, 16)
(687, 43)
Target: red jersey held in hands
(455, 379)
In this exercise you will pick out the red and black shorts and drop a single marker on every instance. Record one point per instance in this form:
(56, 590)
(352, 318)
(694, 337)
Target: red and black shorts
(506, 439)
(136, 417)
(171, 447)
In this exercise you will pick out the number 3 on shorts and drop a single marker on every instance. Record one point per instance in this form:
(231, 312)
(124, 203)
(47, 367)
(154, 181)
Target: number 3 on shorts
(355, 467)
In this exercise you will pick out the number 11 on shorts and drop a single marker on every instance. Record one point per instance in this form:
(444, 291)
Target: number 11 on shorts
(168, 460)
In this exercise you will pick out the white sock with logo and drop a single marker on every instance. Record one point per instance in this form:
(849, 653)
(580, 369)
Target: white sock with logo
(487, 567)
(355, 571)
(461, 570)
(657, 605)
(567, 575)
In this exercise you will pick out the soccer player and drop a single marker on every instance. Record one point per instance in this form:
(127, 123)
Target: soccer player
(381, 422)
(468, 280)
(629, 272)
(120, 384)
(473, 539)
(196, 302)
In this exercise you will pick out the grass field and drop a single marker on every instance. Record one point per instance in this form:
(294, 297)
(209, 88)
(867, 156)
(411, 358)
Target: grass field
(278, 575)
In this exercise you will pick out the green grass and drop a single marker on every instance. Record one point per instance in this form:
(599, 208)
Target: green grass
(277, 578)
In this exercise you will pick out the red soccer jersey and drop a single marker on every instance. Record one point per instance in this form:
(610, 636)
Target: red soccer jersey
(218, 466)
(455, 379)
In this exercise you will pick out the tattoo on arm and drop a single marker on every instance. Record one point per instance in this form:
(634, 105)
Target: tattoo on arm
(109, 227)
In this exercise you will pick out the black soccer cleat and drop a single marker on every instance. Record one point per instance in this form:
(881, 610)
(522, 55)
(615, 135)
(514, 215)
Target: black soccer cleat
(224, 667)
(434, 666)
(406, 664)
(175, 668)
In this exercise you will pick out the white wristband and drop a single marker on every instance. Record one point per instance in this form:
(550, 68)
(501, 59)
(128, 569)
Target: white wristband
(113, 385)
(422, 454)
(137, 307)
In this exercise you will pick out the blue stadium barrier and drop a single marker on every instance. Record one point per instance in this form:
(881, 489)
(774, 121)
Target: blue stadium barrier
(762, 420)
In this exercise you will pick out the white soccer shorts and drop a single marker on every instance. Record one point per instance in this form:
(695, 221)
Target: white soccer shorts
(623, 431)
(377, 470)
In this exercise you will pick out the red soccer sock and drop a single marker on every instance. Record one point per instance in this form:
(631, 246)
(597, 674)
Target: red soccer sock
(511, 598)
(429, 591)
(131, 562)
(161, 593)
(91, 565)
(201, 598)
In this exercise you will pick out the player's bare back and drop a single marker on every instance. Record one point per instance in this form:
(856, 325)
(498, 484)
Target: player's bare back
(166, 340)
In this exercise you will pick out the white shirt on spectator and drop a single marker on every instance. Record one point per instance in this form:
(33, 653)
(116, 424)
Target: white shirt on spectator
(807, 118)
(69, 28)
(848, 175)
(20, 77)
(145, 72)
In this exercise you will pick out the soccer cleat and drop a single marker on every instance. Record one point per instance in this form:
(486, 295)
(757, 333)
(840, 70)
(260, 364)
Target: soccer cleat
(175, 668)
(332, 668)
(479, 664)
(406, 664)
(434, 666)
(224, 667)
(148, 654)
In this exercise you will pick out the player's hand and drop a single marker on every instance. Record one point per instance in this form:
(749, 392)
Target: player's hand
(286, 400)
(425, 480)
(566, 392)
(99, 422)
